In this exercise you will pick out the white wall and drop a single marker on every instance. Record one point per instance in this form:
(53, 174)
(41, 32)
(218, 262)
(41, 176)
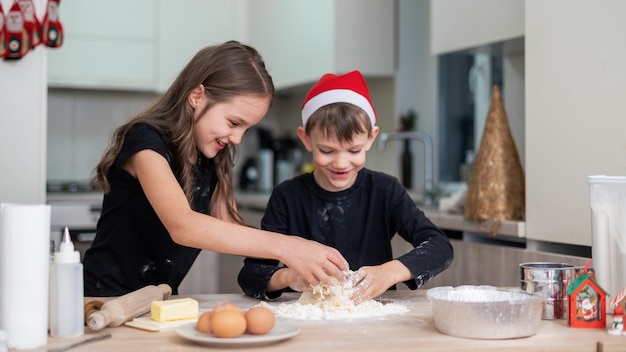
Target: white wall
(23, 100)
(416, 83)
(575, 111)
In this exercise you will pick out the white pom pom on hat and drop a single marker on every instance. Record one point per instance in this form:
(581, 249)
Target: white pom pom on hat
(347, 88)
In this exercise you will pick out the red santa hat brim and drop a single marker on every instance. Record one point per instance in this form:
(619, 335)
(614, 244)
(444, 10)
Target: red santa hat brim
(348, 88)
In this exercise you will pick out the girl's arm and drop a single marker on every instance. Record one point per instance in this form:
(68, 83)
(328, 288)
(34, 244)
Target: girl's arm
(314, 261)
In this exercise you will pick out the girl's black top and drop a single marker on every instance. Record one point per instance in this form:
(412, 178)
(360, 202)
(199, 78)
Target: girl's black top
(132, 248)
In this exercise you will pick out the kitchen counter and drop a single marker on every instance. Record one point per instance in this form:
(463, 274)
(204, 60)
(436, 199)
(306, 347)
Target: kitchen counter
(445, 220)
(413, 330)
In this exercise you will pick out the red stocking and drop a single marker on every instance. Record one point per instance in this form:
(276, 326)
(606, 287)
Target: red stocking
(31, 24)
(52, 30)
(3, 49)
(16, 39)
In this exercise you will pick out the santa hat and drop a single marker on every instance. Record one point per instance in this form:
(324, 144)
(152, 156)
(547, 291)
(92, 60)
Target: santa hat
(348, 88)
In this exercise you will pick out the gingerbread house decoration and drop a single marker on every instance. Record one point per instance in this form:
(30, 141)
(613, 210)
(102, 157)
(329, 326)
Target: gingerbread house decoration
(586, 303)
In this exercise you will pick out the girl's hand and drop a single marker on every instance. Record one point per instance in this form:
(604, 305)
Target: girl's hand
(315, 262)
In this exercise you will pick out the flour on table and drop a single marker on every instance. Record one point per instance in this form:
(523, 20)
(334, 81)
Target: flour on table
(333, 302)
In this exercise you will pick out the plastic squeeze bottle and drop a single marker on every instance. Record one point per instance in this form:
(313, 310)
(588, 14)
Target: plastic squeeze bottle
(66, 291)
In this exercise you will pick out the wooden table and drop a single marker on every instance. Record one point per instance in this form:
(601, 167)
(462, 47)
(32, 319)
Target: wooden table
(413, 330)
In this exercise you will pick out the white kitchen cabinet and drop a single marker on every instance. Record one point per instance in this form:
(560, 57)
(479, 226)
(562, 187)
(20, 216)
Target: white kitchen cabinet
(575, 89)
(302, 40)
(184, 27)
(463, 24)
(107, 44)
(136, 45)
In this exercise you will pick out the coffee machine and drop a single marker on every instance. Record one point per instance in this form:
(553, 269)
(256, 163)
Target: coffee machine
(275, 160)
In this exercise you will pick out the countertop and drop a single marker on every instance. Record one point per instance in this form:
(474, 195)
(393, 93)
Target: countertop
(258, 202)
(413, 330)
(443, 219)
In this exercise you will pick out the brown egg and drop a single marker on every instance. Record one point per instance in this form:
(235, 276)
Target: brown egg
(204, 322)
(228, 323)
(260, 320)
(226, 306)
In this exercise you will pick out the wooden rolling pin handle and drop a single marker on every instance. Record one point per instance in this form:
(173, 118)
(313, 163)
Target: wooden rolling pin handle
(127, 307)
(91, 306)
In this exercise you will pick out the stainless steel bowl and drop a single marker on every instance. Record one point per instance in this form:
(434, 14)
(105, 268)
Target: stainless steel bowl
(485, 312)
(548, 280)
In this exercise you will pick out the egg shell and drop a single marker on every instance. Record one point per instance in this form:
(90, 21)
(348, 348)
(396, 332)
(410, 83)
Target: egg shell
(204, 322)
(228, 323)
(260, 320)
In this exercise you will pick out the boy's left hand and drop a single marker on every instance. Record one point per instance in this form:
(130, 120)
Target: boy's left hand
(369, 282)
(373, 281)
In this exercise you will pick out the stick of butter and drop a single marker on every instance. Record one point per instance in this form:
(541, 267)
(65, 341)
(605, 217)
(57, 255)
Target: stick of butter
(174, 309)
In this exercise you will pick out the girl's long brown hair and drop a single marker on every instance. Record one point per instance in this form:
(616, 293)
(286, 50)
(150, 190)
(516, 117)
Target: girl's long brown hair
(227, 70)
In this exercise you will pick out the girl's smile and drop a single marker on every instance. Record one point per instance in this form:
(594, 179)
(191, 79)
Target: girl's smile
(226, 122)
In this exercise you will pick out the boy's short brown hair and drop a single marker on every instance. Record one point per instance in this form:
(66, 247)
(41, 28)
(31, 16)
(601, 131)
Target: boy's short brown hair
(339, 120)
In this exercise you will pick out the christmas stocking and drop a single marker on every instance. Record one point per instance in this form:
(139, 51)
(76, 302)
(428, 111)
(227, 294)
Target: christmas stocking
(2, 30)
(52, 30)
(31, 24)
(16, 38)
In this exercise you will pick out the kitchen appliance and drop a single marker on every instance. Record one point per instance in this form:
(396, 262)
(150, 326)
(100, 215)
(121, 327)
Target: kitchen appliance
(288, 158)
(77, 205)
(265, 161)
(275, 160)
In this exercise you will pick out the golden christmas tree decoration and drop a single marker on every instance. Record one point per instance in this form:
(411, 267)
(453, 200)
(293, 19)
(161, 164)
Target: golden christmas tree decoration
(496, 191)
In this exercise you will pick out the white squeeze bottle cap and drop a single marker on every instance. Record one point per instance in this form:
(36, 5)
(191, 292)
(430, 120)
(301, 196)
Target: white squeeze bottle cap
(66, 253)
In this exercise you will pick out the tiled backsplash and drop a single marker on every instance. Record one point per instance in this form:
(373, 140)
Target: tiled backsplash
(81, 123)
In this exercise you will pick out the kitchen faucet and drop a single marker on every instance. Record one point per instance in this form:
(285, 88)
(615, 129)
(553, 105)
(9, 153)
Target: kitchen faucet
(428, 156)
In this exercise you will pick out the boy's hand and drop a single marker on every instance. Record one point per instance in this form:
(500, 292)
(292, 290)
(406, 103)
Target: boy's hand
(370, 282)
(373, 281)
(298, 283)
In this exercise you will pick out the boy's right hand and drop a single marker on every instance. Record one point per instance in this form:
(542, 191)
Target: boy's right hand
(298, 283)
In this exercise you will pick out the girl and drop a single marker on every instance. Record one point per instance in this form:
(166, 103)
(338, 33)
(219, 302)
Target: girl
(167, 179)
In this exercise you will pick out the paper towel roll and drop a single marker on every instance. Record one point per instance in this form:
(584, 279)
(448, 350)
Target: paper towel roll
(24, 265)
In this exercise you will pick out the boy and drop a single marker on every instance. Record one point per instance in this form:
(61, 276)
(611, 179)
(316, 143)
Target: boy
(346, 206)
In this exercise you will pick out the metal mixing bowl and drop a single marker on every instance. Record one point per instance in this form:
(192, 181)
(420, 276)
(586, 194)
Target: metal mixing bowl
(485, 312)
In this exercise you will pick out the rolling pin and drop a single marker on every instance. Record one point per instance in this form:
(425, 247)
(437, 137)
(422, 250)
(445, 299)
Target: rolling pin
(119, 310)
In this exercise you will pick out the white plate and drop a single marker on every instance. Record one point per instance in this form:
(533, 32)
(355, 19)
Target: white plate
(281, 331)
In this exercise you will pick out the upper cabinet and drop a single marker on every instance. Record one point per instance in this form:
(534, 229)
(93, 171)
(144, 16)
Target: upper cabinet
(137, 45)
(143, 45)
(300, 41)
(107, 44)
(187, 26)
(464, 24)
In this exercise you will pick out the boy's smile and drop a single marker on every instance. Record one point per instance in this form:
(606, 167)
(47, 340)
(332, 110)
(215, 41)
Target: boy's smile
(337, 164)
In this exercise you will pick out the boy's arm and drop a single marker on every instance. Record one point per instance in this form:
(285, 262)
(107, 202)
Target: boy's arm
(267, 279)
(254, 278)
(432, 252)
